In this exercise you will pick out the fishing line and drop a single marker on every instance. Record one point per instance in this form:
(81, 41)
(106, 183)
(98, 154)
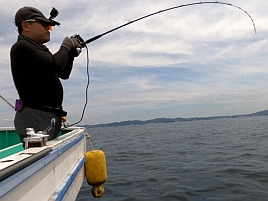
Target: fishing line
(141, 18)
(236, 97)
(86, 101)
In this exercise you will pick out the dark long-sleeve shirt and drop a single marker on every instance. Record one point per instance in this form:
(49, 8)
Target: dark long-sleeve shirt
(36, 72)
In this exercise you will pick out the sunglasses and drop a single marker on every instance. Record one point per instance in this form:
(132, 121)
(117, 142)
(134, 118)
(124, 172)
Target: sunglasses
(45, 24)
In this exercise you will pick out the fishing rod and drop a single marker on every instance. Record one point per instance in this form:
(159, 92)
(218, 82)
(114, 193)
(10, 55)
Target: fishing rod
(83, 43)
(7, 101)
(168, 9)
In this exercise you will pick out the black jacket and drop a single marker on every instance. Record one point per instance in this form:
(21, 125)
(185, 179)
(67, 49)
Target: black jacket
(36, 72)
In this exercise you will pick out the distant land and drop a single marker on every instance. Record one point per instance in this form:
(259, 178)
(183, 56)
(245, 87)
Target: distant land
(170, 120)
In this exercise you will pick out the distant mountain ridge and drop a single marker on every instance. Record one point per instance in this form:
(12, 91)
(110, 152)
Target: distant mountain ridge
(170, 120)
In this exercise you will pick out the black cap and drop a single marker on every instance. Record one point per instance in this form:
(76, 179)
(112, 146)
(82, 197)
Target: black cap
(26, 13)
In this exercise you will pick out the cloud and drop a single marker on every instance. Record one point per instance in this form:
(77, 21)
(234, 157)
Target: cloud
(194, 61)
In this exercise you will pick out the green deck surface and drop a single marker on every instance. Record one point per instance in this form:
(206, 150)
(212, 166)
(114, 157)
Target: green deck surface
(10, 142)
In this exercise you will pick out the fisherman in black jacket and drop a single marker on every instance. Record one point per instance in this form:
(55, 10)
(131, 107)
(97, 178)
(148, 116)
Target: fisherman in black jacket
(36, 72)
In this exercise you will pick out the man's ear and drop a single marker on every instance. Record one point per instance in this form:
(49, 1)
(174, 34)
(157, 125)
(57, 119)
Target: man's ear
(26, 26)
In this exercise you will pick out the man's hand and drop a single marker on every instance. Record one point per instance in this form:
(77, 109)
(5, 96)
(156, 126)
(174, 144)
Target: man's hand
(72, 45)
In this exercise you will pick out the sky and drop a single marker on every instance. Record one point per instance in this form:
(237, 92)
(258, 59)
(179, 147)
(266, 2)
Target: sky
(195, 61)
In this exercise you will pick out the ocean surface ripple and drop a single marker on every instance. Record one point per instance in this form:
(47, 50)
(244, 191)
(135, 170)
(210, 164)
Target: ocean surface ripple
(205, 160)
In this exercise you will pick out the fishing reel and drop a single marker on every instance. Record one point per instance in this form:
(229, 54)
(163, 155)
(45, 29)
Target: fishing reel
(77, 36)
(81, 41)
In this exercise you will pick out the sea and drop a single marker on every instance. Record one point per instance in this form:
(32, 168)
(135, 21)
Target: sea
(204, 160)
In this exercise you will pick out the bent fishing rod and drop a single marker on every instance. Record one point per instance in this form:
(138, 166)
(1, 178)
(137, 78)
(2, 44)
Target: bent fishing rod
(168, 9)
(83, 43)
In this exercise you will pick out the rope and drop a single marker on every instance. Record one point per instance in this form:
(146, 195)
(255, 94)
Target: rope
(88, 137)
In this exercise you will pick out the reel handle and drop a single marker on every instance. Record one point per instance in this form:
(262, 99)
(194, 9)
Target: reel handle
(78, 50)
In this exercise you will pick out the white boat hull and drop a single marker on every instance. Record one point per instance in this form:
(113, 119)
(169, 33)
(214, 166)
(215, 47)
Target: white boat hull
(55, 176)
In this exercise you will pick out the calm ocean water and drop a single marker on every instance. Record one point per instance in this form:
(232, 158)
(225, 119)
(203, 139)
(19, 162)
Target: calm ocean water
(224, 159)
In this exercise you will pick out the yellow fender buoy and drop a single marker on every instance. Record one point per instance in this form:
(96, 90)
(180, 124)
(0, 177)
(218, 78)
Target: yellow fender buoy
(96, 172)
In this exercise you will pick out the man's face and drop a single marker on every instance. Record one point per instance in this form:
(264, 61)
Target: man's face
(36, 31)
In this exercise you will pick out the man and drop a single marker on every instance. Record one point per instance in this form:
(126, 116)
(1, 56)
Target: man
(36, 72)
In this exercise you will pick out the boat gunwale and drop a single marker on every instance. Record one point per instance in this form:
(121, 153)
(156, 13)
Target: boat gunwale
(63, 144)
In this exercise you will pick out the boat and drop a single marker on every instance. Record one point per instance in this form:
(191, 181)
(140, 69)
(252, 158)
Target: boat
(48, 170)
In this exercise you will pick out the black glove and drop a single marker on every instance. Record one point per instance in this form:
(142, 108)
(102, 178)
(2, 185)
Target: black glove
(72, 45)
(81, 41)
